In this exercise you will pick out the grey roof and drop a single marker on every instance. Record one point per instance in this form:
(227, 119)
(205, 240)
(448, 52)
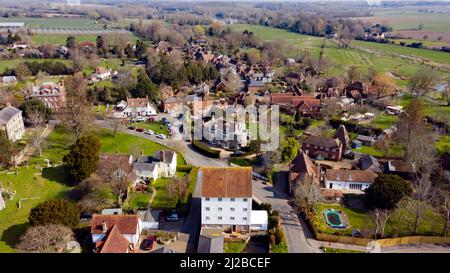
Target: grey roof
(256, 83)
(147, 163)
(322, 141)
(149, 215)
(368, 162)
(210, 244)
(365, 138)
(144, 166)
(7, 113)
(164, 156)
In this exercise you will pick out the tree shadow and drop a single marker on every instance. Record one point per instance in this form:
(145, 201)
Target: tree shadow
(12, 234)
(57, 174)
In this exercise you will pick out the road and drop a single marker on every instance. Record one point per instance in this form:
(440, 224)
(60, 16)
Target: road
(295, 231)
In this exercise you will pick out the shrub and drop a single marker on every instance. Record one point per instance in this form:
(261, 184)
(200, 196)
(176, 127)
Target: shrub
(184, 168)
(204, 149)
(55, 211)
(279, 236)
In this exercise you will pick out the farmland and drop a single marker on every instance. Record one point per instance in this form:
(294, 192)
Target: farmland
(56, 22)
(60, 39)
(340, 57)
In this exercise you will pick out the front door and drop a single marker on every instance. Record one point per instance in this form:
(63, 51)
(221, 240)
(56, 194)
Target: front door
(331, 185)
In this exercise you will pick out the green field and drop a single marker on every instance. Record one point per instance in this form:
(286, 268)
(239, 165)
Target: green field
(340, 57)
(60, 39)
(56, 22)
(156, 127)
(406, 19)
(426, 43)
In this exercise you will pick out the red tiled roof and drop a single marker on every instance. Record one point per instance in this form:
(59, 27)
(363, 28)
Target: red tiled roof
(137, 102)
(351, 175)
(226, 181)
(114, 242)
(127, 224)
(302, 164)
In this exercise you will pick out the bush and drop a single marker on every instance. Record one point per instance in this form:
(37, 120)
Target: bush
(204, 149)
(273, 221)
(279, 236)
(55, 211)
(184, 168)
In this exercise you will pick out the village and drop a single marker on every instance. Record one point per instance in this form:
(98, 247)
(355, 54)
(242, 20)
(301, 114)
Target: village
(98, 148)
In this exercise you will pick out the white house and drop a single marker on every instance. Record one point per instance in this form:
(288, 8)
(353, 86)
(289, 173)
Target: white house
(11, 122)
(102, 73)
(162, 164)
(134, 107)
(115, 233)
(349, 180)
(226, 134)
(226, 199)
(149, 218)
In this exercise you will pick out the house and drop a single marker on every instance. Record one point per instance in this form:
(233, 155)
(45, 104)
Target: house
(320, 147)
(115, 233)
(162, 164)
(210, 244)
(8, 79)
(172, 105)
(102, 73)
(11, 122)
(356, 144)
(135, 107)
(149, 218)
(51, 94)
(349, 180)
(300, 169)
(342, 135)
(112, 211)
(226, 199)
(289, 61)
(366, 140)
(291, 103)
(226, 134)
(401, 168)
(368, 162)
(255, 86)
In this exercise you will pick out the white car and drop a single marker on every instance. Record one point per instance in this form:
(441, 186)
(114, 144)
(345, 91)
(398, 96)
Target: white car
(161, 136)
(148, 132)
(138, 119)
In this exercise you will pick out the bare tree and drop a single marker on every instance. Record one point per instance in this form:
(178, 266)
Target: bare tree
(118, 173)
(380, 217)
(37, 118)
(45, 239)
(423, 194)
(422, 82)
(307, 194)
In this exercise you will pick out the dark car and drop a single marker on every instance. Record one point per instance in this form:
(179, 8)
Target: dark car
(140, 129)
(152, 119)
(148, 243)
(164, 120)
(131, 128)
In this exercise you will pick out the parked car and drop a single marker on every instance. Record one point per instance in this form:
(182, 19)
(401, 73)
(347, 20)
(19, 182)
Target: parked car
(169, 125)
(173, 217)
(180, 116)
(138, 119)
(164, 120)
(151, 119)
(148, 132)
(161, 136)
(148, 243)
(131, 127)
(140, 129)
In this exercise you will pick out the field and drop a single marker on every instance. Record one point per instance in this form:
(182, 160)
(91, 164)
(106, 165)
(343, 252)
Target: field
(60, 39)
(31, 182)
(83, 23)
(13, 63)
(426, 43)
(341, 58)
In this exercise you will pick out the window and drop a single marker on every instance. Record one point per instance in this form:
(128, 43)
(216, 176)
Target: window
(245, 209)
(232, 199)
(232, 209)
(207, 217)
(232, 218)
(207, 208)
(244, 218)
(207, 199)
(219, 209)
(219, 199)
(219, 218)
(245, 199)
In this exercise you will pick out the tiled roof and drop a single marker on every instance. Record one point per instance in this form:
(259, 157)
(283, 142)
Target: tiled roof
(322, 141)
(137, 102)
(301, 164)
(226, 181)
(114, 242)
(351, 175)
(127, 224)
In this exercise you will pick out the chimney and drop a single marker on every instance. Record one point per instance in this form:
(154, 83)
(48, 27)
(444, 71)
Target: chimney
(104, 227)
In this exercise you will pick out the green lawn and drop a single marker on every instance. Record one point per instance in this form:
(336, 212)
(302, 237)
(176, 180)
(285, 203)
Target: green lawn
(156, 127)
(384, 121)
(443, 145)
(393, 150)
(234, 247)
(138, 200)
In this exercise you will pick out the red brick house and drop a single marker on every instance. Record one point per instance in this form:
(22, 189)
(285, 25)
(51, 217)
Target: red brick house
(300, 169)
(320, 147)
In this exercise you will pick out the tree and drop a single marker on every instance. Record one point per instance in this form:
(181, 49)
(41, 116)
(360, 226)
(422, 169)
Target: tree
(353, 74)
(102, 48)
(384, 85)
(307, 194)
(83, 157)
(55, 211)
(145, 87)
(118, 174)
(422, 82)
(6, 150)
(22, 72)
(70, 42)
(45, 239)
(382, 197)
(77, 115)
(422, 193)
(442, 202)
(387, 191)
(290, 147)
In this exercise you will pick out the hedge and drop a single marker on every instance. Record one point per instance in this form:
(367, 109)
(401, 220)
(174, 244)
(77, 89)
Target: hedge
(204, 149)
(184, 168)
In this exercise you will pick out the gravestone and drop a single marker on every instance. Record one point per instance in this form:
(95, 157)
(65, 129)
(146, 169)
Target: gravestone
(2, 202)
